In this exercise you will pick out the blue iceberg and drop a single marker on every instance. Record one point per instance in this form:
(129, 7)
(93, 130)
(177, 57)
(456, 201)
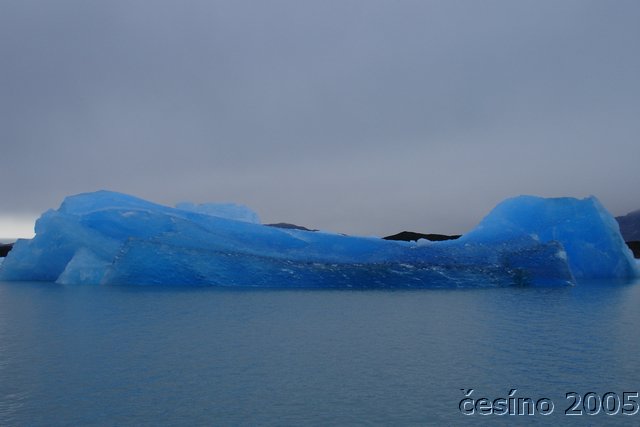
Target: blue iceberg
(112, 238)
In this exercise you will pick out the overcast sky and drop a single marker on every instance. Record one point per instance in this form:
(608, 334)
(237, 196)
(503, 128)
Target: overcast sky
(365, 117)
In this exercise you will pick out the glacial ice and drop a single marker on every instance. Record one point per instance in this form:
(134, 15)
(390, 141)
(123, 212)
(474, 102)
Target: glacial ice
(112, 238)
(224, 210)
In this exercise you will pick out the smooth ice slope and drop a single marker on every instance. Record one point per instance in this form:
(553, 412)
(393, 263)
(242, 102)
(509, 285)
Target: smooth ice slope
(112, 238)
(224, 210)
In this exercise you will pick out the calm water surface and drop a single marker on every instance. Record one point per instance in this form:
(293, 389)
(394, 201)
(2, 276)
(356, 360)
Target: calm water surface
(79, 355)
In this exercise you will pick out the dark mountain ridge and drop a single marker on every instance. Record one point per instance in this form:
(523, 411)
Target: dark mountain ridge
(630, 226)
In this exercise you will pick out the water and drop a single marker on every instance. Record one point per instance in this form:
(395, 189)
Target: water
(81, 355)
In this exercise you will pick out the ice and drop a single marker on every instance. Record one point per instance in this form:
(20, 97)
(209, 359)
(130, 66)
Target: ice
(223, 210)
(84, 267)
(589, 234)
(112, 238)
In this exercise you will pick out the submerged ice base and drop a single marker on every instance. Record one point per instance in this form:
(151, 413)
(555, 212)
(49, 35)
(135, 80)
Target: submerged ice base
(112, 238)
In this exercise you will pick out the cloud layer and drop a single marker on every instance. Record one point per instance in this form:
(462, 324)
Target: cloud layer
(365, 117)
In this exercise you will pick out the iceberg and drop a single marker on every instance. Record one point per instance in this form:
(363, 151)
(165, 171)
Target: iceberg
(112, 238)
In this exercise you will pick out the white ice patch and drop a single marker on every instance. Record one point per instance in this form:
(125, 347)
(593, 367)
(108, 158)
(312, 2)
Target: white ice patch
(562, 255)
(423, 242)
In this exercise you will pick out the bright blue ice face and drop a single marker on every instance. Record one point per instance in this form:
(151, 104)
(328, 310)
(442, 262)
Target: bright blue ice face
(112, 238)
(589, 234)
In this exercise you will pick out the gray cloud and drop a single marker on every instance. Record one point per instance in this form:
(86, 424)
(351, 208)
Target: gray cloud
(366, 117)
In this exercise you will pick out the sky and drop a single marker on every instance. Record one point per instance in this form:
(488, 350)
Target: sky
(364, 117)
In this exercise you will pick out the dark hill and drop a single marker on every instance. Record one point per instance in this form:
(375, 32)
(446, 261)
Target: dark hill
(408, 236)
(289, 226)
(4, 249)
(630, 226)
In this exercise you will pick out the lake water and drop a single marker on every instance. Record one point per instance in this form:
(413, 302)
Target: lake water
(82, 355)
